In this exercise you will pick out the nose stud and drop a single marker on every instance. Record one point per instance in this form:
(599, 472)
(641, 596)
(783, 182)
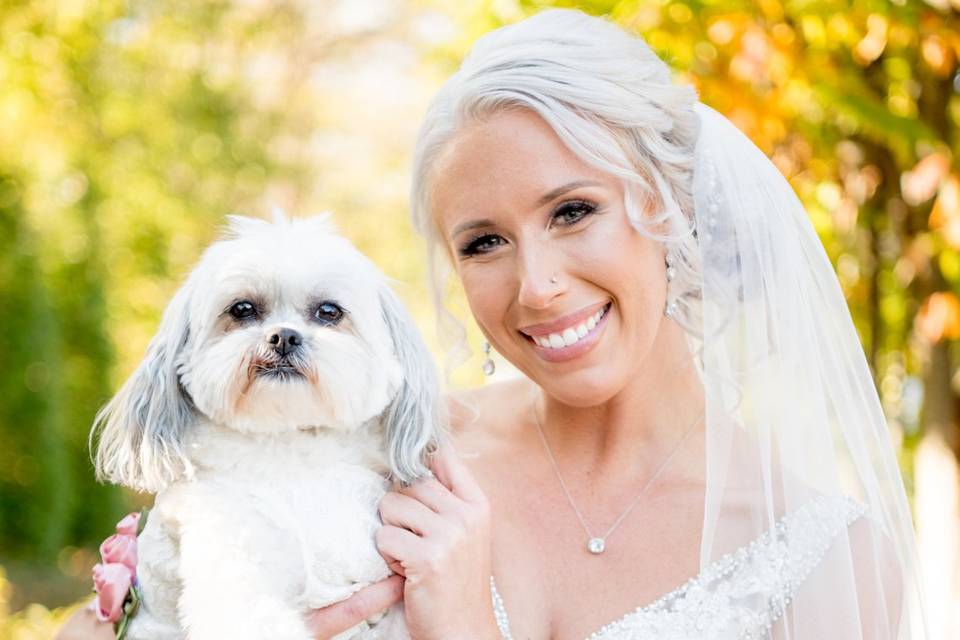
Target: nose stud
(553, 280)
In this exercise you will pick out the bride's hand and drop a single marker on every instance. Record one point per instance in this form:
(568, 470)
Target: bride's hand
(436, 532)
(330, 620)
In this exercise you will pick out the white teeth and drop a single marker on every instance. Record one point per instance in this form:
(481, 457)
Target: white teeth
(570, 335)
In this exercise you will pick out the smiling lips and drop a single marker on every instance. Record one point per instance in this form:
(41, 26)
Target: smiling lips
(569, 336)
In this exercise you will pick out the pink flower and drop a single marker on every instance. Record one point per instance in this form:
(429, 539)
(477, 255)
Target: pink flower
(128, 526)
(112, 582)
(113, 579)
(120, 549)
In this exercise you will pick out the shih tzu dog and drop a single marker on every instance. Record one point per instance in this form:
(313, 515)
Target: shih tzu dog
(284, 390)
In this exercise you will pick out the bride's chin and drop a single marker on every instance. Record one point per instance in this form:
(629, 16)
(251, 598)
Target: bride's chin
(582, 389)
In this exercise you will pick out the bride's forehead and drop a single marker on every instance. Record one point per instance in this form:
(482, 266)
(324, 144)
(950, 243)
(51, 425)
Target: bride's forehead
(509, 158)
(505, 139)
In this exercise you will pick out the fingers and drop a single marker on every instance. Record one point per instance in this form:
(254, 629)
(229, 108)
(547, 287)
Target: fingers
(397, 567)
(396, 543)
(432, 493)
(338, 617)
(449, 469)
(405, 511)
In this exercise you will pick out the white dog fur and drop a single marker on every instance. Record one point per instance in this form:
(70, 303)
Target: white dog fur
(269, 439)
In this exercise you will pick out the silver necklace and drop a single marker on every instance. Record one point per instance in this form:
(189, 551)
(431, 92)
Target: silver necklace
(597, 544)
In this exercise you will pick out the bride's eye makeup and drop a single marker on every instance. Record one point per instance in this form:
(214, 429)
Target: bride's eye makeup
(573, 211)
(480, 244)
(566, 214)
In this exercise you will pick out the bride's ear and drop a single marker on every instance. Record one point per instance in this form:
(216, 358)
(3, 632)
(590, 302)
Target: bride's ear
(414, 420)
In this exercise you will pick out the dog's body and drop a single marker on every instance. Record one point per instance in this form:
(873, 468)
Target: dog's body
(270, 410)
(266, 521)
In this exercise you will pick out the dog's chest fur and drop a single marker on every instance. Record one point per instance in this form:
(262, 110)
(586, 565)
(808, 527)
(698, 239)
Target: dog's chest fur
(299, 510)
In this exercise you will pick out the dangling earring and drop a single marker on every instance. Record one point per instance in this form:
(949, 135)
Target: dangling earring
(671, 307)
(488, 365)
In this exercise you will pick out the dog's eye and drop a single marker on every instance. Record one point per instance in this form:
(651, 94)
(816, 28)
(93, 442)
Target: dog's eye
(243, 310)
(328, 313)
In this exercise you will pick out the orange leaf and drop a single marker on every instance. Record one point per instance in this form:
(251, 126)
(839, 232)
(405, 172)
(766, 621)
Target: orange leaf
(920, 183)
(945, 215)
(939, 317)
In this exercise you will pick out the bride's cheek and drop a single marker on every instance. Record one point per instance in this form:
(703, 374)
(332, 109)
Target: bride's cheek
(488, 288)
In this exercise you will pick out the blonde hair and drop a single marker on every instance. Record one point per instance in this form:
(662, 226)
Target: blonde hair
(609, 98)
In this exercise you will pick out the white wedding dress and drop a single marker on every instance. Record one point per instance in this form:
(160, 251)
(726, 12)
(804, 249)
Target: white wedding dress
(743, 593)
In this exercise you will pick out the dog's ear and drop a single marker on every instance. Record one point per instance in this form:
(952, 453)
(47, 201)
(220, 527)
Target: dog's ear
(414, 419)
(139, 434)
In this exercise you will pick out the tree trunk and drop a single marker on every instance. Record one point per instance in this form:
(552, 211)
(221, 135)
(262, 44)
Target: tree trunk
(937, 498)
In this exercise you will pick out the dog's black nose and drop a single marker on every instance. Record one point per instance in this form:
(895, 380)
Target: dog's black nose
(285, 340)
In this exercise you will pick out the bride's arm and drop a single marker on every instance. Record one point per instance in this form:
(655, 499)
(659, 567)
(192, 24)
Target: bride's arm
(324, 623)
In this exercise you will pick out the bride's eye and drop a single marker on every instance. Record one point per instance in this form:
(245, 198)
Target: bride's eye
(572, 212)
(480, 244)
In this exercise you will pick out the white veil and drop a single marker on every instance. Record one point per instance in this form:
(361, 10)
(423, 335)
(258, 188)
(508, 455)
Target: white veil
(793, 418)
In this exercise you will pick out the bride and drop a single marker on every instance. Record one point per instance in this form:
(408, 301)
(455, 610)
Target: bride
(696, 448)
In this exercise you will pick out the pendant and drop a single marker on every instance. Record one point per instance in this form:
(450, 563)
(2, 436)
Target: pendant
(595, 546)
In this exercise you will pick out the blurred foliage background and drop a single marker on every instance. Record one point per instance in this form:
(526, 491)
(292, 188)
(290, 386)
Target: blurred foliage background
(128, 129)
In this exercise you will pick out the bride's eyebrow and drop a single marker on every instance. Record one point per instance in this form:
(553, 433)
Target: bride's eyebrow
(472, 224)
(553, 194)
(546, 198)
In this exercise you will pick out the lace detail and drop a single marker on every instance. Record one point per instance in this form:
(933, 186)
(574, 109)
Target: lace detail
(743, 593)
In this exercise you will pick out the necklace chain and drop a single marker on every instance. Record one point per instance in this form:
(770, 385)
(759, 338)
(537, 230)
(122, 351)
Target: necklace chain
(596, 545)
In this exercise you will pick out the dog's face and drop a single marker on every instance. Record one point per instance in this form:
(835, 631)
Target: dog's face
(287, 331)
(281, 326)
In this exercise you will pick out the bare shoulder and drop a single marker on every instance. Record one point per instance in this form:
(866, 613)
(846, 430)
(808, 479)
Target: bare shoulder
(488, 416)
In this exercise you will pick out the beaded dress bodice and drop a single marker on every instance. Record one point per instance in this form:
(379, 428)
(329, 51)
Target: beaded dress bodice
(743, 593)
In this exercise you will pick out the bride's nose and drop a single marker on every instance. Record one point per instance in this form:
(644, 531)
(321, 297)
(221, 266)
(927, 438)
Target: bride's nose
(541, 279)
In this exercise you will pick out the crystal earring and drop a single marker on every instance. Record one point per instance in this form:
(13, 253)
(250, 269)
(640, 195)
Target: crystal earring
(671, 307)
(671, 272)
(488, 366)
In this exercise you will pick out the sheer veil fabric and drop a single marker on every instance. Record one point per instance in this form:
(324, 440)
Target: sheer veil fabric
(792, 414)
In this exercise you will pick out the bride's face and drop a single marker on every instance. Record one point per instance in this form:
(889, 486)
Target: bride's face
(559, 281)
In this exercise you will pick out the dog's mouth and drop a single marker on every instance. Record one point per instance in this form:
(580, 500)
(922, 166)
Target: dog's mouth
(278, 370)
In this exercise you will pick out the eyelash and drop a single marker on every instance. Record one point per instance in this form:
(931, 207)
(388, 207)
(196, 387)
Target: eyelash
(586, 208)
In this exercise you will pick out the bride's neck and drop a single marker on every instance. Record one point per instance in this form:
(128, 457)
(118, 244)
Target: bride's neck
(640, 424)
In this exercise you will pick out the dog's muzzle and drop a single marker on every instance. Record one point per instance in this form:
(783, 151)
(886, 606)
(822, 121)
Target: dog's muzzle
(285, 341)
